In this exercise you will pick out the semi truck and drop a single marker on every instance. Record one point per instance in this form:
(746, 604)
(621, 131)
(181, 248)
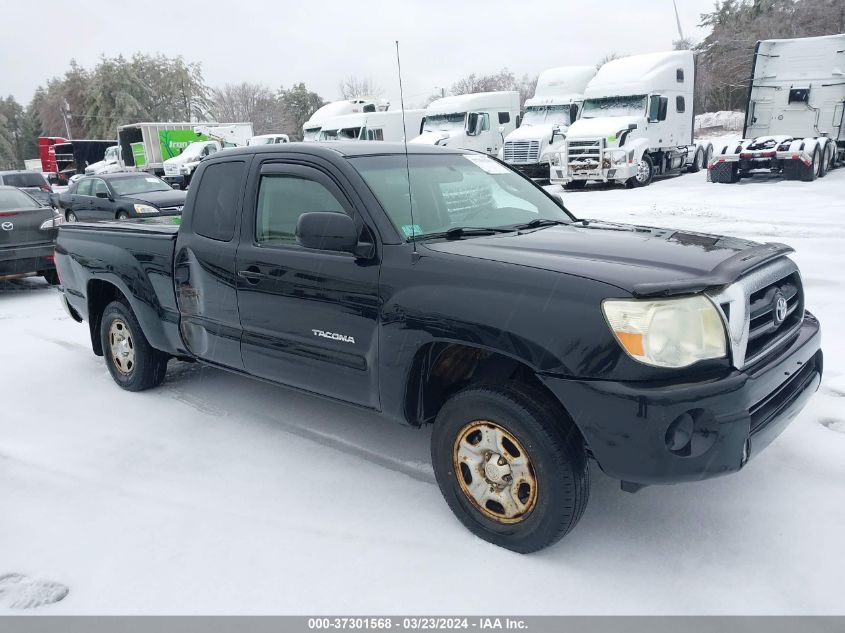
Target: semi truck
(47, 154)
(479, 121)
(311, 128)
(636, 123)
(794, 116)
(665, 356)
(389, 125)
(547, 116)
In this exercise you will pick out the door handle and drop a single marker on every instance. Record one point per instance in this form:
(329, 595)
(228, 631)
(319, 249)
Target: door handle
(251, 274)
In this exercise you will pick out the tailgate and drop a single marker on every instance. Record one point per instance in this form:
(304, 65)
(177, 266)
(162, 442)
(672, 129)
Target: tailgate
(23, 227)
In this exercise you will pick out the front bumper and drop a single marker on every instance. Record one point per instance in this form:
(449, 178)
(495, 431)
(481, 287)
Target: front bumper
(614, 173)
(627, 424)
(535, 171)
(23, 260)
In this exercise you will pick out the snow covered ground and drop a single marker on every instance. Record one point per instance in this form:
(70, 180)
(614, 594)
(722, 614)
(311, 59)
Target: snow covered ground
(218, 494)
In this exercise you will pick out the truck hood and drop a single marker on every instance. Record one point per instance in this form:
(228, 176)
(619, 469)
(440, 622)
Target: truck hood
(181, 159)
(172, 198)
(541, 132)
(93, 167)
(431, 138)
(643, 261)
(604, 126)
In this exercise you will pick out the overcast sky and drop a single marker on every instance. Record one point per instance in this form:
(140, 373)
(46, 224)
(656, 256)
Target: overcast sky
(283, 42)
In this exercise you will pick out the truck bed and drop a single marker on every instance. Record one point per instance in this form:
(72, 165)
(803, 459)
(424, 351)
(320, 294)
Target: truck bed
(136, 256)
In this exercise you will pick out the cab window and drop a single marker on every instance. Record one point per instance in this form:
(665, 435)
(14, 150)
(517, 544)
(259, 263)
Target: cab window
(282, 199)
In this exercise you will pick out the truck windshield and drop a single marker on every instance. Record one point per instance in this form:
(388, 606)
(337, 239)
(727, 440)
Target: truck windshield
(131, 185)
(634, 105)
(553, 114)
(454, 190)
(444, 122)
(112, 154)
(311, 134)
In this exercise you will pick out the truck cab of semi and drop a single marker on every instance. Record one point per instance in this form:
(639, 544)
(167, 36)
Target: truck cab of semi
(478, 122)
(311, 128)
(373, 126)
(794, 117)
(110, 164)
(636, 122)
(179, 169)
(548, 114)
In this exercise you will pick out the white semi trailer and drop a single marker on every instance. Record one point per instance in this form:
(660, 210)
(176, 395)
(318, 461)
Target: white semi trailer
(794, 118)
(548, 114)
(636, 122)
(478, 121)
(372, 126)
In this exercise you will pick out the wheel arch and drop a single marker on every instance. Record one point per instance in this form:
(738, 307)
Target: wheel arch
(441, 368)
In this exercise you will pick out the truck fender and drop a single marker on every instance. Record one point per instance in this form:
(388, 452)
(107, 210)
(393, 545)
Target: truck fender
(639, 147)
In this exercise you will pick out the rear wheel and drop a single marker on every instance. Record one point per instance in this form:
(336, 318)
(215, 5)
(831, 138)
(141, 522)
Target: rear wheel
(811, 171)
(51, 276)
(511, 465)
(644, 175)
(697, 163)
(133, 363)
(826, 164)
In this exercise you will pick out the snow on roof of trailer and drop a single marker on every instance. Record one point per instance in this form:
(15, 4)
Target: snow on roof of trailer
(463, 103)
(564, 80)
(359, 119)
(808, 59)
(641, 74)
(337, 108)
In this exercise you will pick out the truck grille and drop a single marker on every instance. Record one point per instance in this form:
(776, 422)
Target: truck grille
(584, 153)
(763, 310)
(522, 151)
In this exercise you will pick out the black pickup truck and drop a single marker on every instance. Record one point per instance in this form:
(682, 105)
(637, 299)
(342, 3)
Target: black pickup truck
(467, 298)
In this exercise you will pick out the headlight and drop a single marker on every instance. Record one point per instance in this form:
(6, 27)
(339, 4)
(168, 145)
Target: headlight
(145, 209)
(618, 157)
(52, 222)
(668, 332)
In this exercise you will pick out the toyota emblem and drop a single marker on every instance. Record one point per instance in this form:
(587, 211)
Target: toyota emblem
(7, 226)
(780, 309)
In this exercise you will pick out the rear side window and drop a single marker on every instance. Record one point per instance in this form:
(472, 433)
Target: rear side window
(84, 188)
(680, 104)
(216, 202)
(375, 135)
(282, 199)
(504, 117)
(24, 180)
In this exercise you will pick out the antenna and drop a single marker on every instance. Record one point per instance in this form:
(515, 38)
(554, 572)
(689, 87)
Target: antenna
(678, 20)
(405, 142)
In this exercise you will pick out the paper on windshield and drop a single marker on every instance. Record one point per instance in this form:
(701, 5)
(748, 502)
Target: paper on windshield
(151, 179)
(486, 163)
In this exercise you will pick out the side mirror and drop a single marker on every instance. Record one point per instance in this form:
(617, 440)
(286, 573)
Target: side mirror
(103, 194)
(632, 126)
(472, 124)
(573, 112)
(328, 231)
(555, 132)
(662, 109)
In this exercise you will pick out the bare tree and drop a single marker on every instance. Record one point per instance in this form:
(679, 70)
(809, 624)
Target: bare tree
(609, 58)
(247, 102)
(354, 87)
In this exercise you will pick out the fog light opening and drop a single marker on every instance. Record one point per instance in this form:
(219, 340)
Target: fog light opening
(692, 433)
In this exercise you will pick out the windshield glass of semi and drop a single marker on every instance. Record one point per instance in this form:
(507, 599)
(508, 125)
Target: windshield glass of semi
(138, 184)
(554, 114)
(14, 199)
(454, 190)
(444, 122)
(311, 134)
(615, 106)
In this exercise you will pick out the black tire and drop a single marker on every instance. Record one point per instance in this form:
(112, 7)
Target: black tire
(51, 277)
(826, 160)
(70, 216)
(553, 445)
(697, 163)
(122, 215)
(575, 184)
(149, 366)
(634, 182)
(808, 173)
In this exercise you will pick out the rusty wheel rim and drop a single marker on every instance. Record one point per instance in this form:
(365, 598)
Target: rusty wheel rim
(494, 472)
(121, 347)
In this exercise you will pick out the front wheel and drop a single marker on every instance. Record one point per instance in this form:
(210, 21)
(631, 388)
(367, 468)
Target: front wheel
(70, 216)
(134, 364)
(644, 175)
(122, 215)
(511, 465)
(575, 184)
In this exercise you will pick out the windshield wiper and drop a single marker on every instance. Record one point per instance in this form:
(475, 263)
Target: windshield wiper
(538, 223)
(461, 231)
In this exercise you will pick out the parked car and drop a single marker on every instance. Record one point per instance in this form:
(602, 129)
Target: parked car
(532, 341)
(32, 182)
(27, 236)
(119, 197)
